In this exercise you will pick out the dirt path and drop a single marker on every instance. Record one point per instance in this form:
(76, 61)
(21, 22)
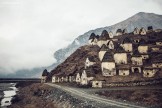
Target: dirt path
(92, 90)
(83, 94)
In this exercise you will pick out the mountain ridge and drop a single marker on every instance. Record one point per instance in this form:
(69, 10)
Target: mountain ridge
(137, 20)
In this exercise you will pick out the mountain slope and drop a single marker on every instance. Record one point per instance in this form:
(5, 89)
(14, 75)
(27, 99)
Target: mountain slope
(138, 20)
(75, 62)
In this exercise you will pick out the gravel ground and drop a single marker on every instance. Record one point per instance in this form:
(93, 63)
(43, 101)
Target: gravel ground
(151, 98)
(73, 101)
(32, 95)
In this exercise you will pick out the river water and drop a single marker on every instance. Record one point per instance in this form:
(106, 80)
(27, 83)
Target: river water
(7, 91)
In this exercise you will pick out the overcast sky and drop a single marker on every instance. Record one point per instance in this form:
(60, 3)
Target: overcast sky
(32, 30)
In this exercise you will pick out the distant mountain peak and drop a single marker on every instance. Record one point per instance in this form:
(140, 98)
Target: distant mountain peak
(144, 13)
(141, 19)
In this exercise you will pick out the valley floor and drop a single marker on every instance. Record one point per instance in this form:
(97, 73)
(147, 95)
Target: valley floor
(36, 95)
(122, 97)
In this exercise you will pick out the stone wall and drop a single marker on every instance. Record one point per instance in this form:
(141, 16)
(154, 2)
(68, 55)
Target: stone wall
(135, 83)
(101, 55)
(143, 49)
(123, 72)
(120, 58)
(137, 60)
(101, 42)
(108, 68)
(127, 47)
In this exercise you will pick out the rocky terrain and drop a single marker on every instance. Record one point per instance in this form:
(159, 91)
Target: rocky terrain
(36, 95)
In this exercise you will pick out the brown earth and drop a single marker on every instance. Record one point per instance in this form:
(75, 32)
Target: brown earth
(75, 62)
(36, 95)
(30, 96)
(146, 97)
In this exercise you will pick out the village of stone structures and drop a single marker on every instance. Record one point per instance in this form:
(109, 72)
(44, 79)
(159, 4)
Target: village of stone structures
(127, 57)
(113, 60)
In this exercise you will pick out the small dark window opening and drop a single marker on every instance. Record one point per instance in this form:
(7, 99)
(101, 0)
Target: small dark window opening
(136, 70)
(136, 41)
(147, 73)
(97, 84)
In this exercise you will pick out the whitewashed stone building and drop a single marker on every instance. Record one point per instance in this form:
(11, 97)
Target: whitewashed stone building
(93, 39)
(119, 32)
(127, 45)
(124, 70)
(85, 78)
(110, 44)
(142, 31)
(136, 31)
(97, 83)
(102, 52)
(120, 56)
(103, 39)
(78, 78)
(108, 64)
(150, 71)
(125, 31)
(111, 34)
(44, 76)
(89, 62)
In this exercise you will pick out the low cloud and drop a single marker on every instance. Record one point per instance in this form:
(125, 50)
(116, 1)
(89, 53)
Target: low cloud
(32, 30)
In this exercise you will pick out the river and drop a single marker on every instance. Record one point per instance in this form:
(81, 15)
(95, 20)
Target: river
(7, 91)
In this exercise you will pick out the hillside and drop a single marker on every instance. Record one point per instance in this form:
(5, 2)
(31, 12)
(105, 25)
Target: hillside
(75, 62)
